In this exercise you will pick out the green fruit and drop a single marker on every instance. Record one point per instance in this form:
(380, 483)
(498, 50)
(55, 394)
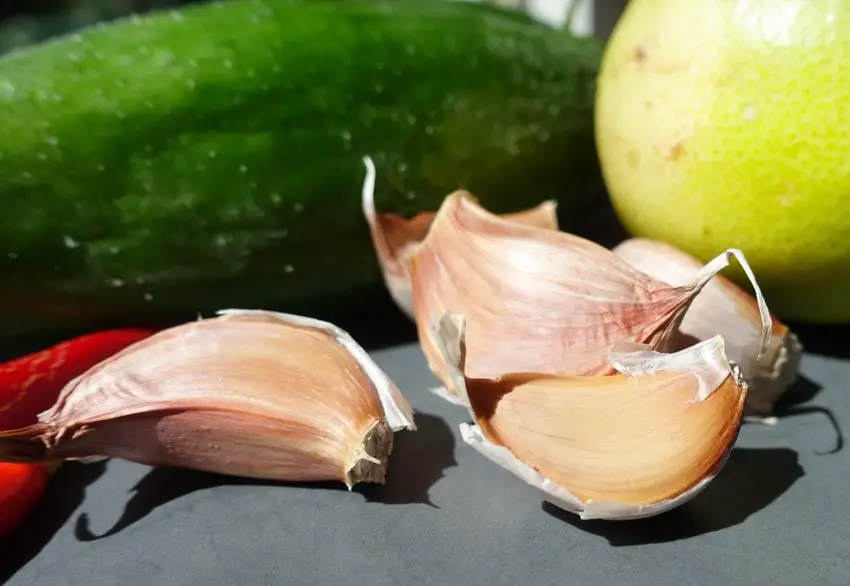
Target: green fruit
(185, 161)
(727, 124)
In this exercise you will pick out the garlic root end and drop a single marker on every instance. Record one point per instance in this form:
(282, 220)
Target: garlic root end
(369, 462)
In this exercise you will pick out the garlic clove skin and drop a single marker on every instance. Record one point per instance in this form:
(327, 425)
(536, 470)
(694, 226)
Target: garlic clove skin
(563, 498)
(625, 446)
(724, 308)
(540, 300)
(396, 239)
(248, 393)
(534, 300)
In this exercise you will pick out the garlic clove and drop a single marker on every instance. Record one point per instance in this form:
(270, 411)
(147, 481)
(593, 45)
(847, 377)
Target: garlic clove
(625, 446)
(248, 393)
(541, 300)
(724, 308)
(396, 239)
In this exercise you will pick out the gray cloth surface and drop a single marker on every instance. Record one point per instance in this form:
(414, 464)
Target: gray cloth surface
(776, 515)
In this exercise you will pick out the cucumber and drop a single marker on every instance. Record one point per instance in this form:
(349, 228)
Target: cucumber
(182, 161)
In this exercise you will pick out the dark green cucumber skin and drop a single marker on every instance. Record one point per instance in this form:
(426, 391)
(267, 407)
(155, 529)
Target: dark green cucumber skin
(181, 162)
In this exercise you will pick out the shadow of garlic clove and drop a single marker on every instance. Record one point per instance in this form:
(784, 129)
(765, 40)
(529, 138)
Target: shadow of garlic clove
(724, 308)
(396, 239)
(539, 300)
(625, 446)
(248, 393)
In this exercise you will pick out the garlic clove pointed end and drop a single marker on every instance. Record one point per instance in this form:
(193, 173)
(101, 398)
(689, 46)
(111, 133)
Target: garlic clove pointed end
(395, 240)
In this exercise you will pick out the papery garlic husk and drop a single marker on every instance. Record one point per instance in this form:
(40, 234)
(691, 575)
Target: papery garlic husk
(539, 300)
(724, 308)
(630, 445)
(396, 239)
(248, 393)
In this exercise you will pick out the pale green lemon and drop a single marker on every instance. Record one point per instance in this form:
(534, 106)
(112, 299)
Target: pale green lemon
(727, 124)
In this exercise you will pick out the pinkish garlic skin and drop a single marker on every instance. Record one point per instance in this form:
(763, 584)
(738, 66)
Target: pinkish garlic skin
(219, 442)
(535, 300)
(724, 308)
(250, 393)
(397, 239)
(692, 401)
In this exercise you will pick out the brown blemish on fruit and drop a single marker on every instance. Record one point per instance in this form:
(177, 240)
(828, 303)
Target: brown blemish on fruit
(633, 158)
(675, 152)
(640, 54)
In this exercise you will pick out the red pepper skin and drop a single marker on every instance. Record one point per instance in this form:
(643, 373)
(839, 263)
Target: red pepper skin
(21, 488)
(31, 384)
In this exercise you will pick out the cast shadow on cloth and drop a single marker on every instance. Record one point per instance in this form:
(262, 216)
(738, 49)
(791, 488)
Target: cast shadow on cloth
(418, 461)
(795, 403)
(751, 480)
(65, 493)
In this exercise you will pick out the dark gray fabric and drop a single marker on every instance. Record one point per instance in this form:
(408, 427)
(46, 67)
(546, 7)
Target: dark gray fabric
(776, 515)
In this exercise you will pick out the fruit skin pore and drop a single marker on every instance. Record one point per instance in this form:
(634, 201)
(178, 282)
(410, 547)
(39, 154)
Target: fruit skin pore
(727, 124)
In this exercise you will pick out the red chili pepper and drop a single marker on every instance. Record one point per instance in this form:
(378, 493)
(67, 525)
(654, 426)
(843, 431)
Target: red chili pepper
(21, 487)
(30, 385)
